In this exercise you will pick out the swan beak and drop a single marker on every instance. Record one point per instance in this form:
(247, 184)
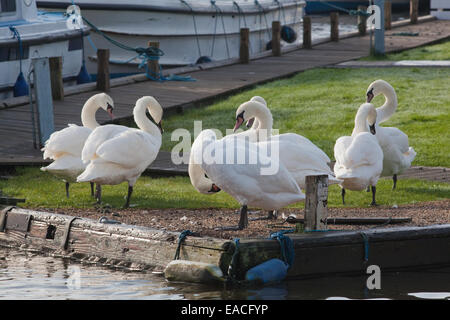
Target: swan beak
(369, 96)
(110, 109)
(239, 121)
(250, 122)
(160, 127)
(214, 188)
(372, 129)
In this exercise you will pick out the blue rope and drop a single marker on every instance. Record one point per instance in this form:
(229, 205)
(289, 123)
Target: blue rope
(281, 10)
(232, 267)
(350, 12)
(261, 9)
(219, 12)
(241, 12)
(286, 244)
(181, 238)
(17, 35)
(195, 26)
(366, 245)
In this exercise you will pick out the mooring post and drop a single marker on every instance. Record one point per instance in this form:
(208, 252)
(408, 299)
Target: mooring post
(153, 65)
(316, 202)
(244, 52)
(103, 70)
(56, 78)
(413, 10)
(43, 96)
(387, 14)
(334, 22)
(276, 38)
(379, 49)
(307, 43)
(362, 21)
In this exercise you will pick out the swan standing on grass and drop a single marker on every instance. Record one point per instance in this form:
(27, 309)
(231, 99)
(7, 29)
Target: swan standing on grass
(398, 155)
(359, 158)
(118, 153)
(245, 182)
(65, 146)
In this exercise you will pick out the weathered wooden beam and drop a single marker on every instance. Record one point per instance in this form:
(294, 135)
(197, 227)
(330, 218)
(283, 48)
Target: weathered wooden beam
(316, 202)
(10, 201)
(357, 220)
(276, 38)
(362, 21)
(307, 42)
(153, 65)
(56, 78)
(413, 11)
(244, 53)
(387, 15)
(103, 81)
(334, 24)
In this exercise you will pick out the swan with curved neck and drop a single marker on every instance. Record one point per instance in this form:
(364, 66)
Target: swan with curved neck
(398, 155)
(359, 158)
(117, 153)
(65, 146)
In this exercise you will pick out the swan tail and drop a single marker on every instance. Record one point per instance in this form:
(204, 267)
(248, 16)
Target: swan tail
(410, 154)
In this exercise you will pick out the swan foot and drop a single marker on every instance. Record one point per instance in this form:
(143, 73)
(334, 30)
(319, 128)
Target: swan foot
(243, 222)
(394, 178)
(343, 195)
(67, 190)
(130, 191)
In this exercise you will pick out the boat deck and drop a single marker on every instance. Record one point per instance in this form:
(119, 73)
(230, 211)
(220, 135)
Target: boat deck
(16, 147)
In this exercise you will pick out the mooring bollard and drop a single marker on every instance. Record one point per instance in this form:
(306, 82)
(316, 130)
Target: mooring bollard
(56, 78)
(103, 70)
(387, 14)
(334, 23)
(276, 38)
(413, 10)
(153, 65)
(362, 21)
(244, 53)
(307, 43)
(316, 202)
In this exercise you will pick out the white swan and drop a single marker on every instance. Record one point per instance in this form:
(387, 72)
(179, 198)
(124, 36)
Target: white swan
(65, 146)
(300, 156)
(398, 155)
(118, 153)
(245, 182)
(359, 158)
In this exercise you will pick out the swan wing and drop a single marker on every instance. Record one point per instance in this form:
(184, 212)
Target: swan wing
(98, 137)
(394, 136)
(305, 143)
(69, 140)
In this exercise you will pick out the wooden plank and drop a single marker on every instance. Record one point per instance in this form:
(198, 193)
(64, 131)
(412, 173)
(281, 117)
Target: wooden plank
(307, 43)
(276, 38)
(56, 78)
(244, 52)
(334, 24)
(316, 202)
(153, 65)
(103, 81)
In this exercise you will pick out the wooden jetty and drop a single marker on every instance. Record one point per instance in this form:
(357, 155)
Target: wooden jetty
(141, 248)
(213, 81)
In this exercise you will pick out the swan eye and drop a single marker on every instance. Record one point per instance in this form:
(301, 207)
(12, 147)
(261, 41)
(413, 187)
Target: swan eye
(240, 115)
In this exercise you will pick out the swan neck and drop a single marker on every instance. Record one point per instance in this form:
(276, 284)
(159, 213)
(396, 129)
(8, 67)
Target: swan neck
(390, 105)
(88, 114)
(264, 117)
(361, 121)
(143, 122)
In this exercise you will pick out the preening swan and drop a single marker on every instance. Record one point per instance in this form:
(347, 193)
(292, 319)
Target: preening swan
(359, 158)
(118, 153)
(398, 155)
(65, 146)
(246, 182)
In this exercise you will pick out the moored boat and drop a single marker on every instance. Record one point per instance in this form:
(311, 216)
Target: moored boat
(324, 6)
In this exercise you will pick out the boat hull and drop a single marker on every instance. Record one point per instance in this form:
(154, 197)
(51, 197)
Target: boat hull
(319, 6)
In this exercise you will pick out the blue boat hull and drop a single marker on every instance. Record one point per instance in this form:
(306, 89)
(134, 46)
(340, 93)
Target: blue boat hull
(315, 6)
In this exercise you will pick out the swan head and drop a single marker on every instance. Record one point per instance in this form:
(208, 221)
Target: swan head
(247, 111)
(376, 88)
(105, 102)
(252, 121)
(154, 108)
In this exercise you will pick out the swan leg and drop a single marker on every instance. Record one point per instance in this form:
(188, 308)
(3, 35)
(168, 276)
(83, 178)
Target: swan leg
(374, 191)
(67, 190)
(130, 191)
(394, 178)
(368, 189)
(98, 193)
(343, 195)
(92, 189)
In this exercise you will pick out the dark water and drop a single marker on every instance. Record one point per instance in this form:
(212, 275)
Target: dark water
(29, 276)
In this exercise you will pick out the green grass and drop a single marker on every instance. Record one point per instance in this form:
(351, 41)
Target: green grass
(321, 104)
(439, 51)
(45, 191)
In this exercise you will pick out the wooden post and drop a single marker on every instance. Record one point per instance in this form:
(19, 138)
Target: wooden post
(153, 65)
(387, 14)
(362, 21)
(413, 10)
(316, 202)
(244, 53)
(276, 38)
(56, 78)
(103, 70)
(307, 43)
(334, 22)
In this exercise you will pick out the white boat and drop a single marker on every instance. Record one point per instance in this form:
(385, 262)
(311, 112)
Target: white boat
(186, 30)
(41, 35)
(324, 6)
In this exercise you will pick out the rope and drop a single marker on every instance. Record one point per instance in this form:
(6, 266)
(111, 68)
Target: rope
(195, 26)
(350, 12)
(17, 35)
(219, 11)
(366, 246)
(281, 10)
(261, 10)
(181, 238)
(231, 276)
(286, 244)
(241, 12)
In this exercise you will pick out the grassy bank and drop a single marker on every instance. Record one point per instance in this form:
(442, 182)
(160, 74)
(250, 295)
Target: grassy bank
(44, 191)
(321, 104)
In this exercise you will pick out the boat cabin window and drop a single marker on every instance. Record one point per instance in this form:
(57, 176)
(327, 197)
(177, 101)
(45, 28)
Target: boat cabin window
(13, 53)
(7, 6)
